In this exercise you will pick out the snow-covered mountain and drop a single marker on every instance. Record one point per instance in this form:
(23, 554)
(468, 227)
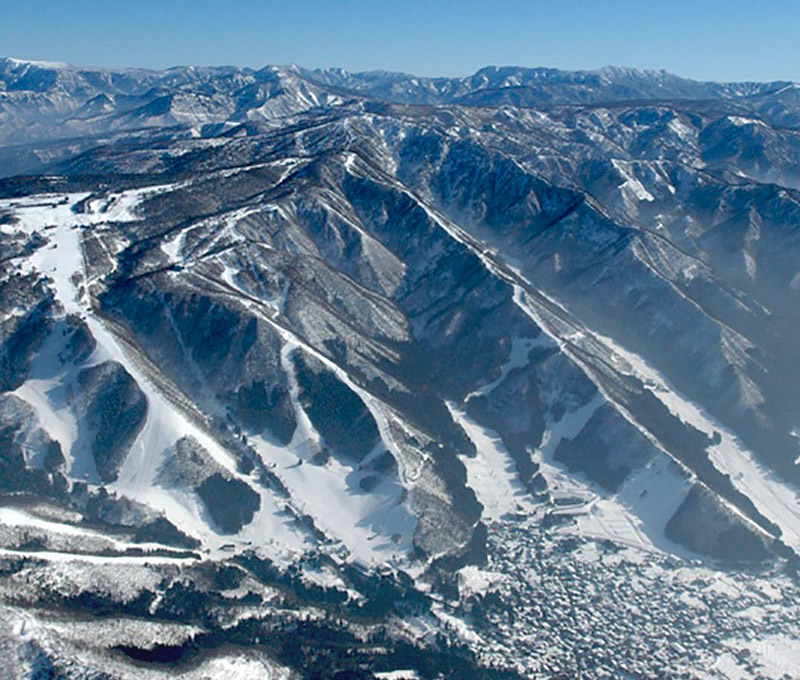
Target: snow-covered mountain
(365, 350)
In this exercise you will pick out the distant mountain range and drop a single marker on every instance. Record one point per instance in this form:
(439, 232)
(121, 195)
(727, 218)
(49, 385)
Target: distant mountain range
(42, 102)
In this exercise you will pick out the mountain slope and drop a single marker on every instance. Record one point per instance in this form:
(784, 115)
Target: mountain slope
(351, 329)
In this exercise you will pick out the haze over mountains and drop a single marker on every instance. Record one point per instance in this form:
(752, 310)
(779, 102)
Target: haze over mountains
(411, 342)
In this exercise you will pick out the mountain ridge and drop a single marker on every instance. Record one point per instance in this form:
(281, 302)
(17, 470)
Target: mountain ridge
(609, 70)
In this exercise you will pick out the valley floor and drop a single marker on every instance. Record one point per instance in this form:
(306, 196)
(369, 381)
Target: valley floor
(552, 604)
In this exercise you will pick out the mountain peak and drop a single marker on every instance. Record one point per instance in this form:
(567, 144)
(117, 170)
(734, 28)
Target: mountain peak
(34, 62)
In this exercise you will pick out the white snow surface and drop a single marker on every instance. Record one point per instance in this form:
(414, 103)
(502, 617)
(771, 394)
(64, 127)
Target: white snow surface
(518, 357)
(472, 579)
(609, 516)
(397, 675)
(68, 558)
(165, 423)
(632, 189)
(777, 655)
(375, 526)
(637, 514)
(14, 517)
(364, 522)
(89, 655)
(773, 497)
(492, 473)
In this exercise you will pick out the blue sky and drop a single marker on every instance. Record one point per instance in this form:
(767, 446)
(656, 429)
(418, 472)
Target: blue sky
(724, 40)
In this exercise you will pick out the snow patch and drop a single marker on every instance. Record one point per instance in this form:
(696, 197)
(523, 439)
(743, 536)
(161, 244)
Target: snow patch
(165, 422)
(375, 526)
(518, 357)
(491, 473)
(631, 188)
(773, 497)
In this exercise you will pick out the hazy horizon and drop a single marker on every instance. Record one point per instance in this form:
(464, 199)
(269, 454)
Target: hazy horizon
(101, 67)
